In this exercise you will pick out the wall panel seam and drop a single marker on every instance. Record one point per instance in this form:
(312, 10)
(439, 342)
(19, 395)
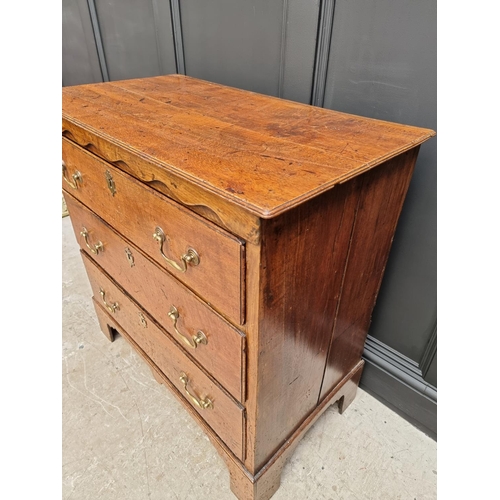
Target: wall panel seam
(429, 352)
(175, 10)
(284, 24)
(325, 28)
(98, 40)
(154, 4)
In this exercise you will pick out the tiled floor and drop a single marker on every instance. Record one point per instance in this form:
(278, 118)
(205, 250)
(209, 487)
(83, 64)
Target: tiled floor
(126, 438)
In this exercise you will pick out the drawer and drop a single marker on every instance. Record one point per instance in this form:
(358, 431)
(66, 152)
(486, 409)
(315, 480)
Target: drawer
(206, 258)
(214, 405)
(223, 354)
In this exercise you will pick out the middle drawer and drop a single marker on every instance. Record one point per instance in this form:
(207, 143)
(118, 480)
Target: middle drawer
(216, 344)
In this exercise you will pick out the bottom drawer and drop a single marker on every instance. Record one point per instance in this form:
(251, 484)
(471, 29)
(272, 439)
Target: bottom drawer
(213, 404)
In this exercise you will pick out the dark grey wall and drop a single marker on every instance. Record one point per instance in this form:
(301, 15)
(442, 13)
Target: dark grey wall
(80, 63)
(375, 58)
(258, 45)
(116, 40)
(137, 37)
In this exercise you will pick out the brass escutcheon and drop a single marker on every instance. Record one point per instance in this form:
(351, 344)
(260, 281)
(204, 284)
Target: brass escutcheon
(142, 320)
(130, 257)
(110, 182)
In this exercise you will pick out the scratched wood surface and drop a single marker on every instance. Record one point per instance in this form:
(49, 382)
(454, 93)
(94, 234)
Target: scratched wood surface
(260, 153)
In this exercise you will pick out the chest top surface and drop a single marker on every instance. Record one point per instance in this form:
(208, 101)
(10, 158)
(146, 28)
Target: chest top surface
(261, 153)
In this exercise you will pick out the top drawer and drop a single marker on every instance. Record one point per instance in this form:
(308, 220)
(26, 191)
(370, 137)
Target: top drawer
(206, 258)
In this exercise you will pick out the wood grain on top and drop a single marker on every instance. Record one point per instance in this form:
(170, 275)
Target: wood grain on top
(261, 153)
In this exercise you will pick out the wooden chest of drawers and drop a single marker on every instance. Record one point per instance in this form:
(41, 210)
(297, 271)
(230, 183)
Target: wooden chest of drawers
(238, 242)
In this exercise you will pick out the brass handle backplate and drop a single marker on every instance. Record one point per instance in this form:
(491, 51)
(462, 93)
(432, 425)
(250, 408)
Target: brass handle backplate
(201, 403)
(195, 340)
(95, 249)
(190, 257)
(75, 178)
(110, 307)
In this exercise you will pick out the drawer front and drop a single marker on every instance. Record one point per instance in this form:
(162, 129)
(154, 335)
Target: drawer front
(136, 211)
(223, 415)
(223, 354)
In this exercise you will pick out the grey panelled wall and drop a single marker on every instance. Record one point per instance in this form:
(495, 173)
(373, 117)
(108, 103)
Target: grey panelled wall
(370, 57)
(116, 40)
(260, 45)
(80, 63)
(137, 37)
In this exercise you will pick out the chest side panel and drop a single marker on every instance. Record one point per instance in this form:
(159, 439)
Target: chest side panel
(381, 200)
(303, 255)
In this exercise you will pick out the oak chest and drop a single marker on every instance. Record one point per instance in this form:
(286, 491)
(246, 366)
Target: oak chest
(238, 242)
